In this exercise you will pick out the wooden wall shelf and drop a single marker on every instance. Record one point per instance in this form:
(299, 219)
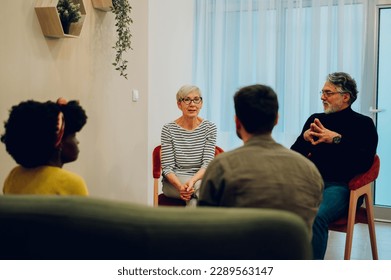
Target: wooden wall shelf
(103, 5)
(50, 23)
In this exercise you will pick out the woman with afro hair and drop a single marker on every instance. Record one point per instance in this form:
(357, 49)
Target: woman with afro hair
(41, 138)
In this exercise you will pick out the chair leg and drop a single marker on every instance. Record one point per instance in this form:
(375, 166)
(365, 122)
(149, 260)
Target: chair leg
(371, 225)
(155, 192)
(350, 224)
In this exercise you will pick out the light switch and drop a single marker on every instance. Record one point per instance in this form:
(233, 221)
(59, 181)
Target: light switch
(135, 95)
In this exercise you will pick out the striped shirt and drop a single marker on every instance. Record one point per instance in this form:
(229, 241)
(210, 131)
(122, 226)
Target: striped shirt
(184, 152)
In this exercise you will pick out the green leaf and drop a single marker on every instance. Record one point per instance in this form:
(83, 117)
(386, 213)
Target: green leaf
(122, 10)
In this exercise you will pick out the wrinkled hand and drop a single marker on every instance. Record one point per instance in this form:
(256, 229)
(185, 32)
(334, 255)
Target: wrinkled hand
(317, 133)
(189, 184)
(186, 192)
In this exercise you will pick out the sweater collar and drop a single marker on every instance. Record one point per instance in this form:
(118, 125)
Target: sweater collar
(345, 111)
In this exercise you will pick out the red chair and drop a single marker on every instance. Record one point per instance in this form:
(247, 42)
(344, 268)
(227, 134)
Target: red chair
(360, 186)
(161, 199)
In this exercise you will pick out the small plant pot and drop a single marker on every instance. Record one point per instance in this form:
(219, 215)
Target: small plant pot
(66, 26)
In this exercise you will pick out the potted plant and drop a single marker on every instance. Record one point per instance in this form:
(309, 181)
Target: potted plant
(122, 10)
(68, 12)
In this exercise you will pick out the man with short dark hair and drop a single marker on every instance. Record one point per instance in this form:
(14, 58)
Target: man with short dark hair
(261, 173)
(342, 144)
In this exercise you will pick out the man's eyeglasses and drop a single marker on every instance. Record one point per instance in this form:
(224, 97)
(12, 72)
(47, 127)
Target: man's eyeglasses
(329, 93)
(187, 100)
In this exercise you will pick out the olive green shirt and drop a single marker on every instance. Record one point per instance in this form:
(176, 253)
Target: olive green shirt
(263, 174)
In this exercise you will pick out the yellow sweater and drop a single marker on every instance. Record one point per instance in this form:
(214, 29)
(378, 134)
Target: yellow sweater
(44, 180)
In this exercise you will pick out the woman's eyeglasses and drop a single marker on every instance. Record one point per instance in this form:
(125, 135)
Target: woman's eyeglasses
(187, 100)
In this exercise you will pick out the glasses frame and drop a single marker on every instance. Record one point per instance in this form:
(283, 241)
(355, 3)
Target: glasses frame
(330, 93)
(189, 100)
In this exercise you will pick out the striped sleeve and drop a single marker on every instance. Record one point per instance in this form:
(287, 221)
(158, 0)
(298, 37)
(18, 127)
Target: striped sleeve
(167, 151)
(210, 144)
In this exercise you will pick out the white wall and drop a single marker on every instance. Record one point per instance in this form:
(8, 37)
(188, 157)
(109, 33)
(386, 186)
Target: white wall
(118, 139)
(170, 64)
(113, 158)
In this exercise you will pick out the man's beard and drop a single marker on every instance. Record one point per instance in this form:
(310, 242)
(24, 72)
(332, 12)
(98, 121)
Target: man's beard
(331, 108)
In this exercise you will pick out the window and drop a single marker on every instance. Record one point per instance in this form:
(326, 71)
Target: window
(382, 190)
(288, 45)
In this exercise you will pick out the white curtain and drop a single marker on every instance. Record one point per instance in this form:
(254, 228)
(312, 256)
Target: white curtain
(290, 45)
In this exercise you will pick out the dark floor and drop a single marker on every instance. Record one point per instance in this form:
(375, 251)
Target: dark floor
(361, 248)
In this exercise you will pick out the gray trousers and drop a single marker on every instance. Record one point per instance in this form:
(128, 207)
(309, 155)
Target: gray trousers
(170, 191)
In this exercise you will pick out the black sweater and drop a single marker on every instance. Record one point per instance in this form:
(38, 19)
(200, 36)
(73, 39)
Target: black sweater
(339, 163)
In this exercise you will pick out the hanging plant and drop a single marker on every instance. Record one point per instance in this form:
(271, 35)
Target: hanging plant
(68, 12)
(122, 10)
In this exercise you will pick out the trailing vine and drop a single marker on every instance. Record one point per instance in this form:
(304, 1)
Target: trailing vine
(122, 10)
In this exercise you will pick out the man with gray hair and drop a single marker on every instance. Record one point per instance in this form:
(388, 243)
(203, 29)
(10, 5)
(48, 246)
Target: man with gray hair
(342, 144)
